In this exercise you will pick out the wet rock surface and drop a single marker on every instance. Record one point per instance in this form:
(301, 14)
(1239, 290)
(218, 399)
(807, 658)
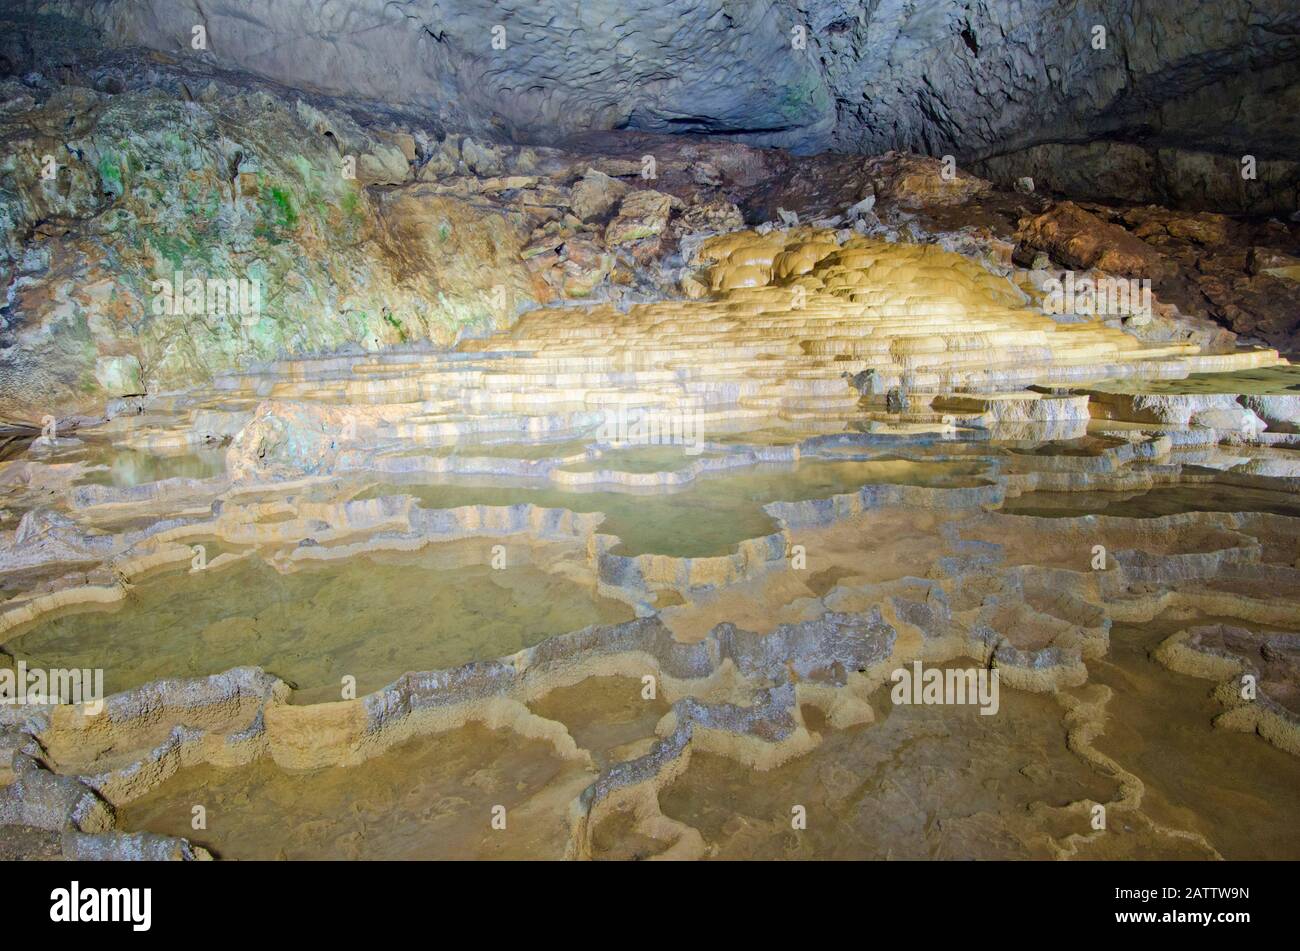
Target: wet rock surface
(898, 575)
(618, 480)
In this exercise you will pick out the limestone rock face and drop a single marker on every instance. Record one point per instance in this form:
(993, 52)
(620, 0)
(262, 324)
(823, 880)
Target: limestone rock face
(642, 214)
(1236, 270)
(1080, 240)
(163, 221)
(595, 194)
(1185, 176)
(914, 181)
(170, 240)
(1020, 86)
(468, 249)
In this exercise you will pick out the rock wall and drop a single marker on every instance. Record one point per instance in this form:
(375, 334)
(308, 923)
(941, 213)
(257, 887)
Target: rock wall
(1186, 88)
(155, 235)
(146, 199)
(160, 223)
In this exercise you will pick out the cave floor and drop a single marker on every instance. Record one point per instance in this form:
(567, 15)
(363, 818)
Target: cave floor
(650, 586)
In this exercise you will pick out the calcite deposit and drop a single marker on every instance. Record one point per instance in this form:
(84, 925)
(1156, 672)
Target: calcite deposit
(379, 481)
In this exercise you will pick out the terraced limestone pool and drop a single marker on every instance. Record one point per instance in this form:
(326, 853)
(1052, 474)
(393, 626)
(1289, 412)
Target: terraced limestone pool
(705, 517)
(869, 789)
(375, 660)
(369, 617)
(423, 800)
(1264, 381)
(130, 467)
(1011, 786)
(1155, 502)
(1242, 795)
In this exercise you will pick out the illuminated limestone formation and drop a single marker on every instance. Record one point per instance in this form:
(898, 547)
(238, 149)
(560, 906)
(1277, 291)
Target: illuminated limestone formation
(802, 329)
(799, 312)
(912, 572)
(755, 503)
(374, 485)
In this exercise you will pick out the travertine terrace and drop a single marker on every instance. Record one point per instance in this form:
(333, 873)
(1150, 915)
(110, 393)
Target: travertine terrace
(544, 508)
(760, 657)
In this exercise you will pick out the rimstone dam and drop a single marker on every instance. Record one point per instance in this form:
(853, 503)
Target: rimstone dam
(649, 430)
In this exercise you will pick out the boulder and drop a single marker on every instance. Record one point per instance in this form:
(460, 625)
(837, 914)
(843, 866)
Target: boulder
(584, 266)
(385, 165)
(1081, 240)
(642, 214)
(1229, 419)
(289, 439)
(595, 194)
(918, 181)
(716, 216)
(1273, 263)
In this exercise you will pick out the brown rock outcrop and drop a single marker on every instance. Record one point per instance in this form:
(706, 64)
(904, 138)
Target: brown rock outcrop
(1081, 240)
(914, 181)
(643, 214)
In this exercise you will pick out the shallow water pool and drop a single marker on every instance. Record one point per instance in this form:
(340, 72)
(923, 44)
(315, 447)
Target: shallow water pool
(369, 617)
(707, 516)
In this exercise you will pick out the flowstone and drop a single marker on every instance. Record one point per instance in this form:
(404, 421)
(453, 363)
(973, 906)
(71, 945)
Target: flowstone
(604, 565)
